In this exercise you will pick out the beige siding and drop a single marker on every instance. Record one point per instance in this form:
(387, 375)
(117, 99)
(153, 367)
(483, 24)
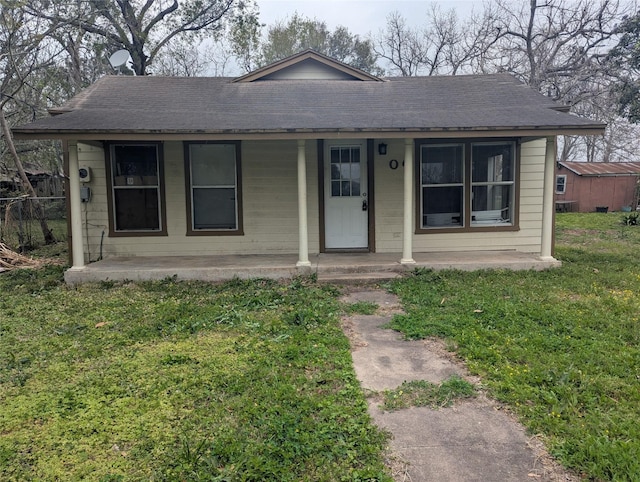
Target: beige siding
(269, 173)
(269, 198)
(95, 218)
(389, 209)
(388, 197)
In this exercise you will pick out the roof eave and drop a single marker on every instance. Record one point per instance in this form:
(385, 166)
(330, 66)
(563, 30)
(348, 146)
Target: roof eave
(318, 133)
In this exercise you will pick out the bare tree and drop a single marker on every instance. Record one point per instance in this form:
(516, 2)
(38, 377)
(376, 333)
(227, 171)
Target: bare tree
(214, 56)
(446, 44)
(551, 43)
(22, 53)
(402, 47)
(144, 28)
(560, 48)
(181, 58)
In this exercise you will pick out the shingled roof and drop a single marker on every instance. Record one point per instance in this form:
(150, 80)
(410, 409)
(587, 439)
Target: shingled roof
(410, 106)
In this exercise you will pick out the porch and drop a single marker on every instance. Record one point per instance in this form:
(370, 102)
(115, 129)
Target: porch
(334, 267)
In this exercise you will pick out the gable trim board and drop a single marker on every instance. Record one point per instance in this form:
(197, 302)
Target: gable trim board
(308, 56)
(264, 113)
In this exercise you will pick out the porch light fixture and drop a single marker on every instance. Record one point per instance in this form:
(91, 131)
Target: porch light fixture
(382, 149)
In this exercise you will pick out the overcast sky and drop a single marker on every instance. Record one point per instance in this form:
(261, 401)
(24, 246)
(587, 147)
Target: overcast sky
(359, 16)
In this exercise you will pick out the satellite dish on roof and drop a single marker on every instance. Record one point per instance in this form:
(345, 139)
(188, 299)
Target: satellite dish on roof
(118, 59)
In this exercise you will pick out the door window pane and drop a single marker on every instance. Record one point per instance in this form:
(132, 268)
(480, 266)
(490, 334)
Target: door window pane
(345, 171)
(346, 189)
(335, 188)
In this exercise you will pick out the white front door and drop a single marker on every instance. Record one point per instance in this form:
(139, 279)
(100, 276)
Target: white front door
(345, 195)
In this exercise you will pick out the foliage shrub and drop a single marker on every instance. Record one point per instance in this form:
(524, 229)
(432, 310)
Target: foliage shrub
(630, 219)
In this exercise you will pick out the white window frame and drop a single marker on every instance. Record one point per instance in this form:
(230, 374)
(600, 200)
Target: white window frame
(495, 217)
(564, 183)
(423, 216)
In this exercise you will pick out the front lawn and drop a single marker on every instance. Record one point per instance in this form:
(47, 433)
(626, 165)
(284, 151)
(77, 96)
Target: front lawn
(560, 347)
(254, 381)
(178, 381)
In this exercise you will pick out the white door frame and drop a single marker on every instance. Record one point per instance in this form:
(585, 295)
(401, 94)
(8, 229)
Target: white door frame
(365, 196)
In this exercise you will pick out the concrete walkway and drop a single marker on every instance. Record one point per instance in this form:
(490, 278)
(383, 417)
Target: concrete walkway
(475, 440)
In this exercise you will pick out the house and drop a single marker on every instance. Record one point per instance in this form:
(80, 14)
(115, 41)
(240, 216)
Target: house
(308, 157)
(8, 182)
(44, 183)
(597, 186)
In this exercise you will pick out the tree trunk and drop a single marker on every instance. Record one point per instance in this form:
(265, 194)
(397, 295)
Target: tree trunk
(49, 238)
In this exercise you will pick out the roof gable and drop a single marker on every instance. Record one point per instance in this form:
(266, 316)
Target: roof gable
(307, 65)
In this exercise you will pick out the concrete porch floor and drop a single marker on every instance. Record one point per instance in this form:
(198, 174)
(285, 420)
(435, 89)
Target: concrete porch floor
(337, 267)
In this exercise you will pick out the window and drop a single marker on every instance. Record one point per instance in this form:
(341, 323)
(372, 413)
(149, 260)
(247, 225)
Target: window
(466, 185)
(492, 183)
(561, 183)
(345, 171)
(213, 177)
(136, 204)
(442, 185)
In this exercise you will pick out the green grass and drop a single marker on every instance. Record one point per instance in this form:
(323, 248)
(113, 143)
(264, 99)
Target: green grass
(360, 308)
(179, 381)
(420, 393)
(253, 380)
(32, 237)
(561, 347)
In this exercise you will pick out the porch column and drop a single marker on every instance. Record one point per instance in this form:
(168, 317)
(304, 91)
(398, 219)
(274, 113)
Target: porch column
(547, 199)
(303, 237)
(77, 246)
(407, 231)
